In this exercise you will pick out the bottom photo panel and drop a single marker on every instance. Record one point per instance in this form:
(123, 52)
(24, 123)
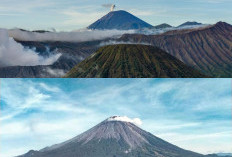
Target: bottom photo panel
(115, 118)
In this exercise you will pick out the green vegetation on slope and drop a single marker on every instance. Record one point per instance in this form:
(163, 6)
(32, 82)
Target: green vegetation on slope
(132, 61)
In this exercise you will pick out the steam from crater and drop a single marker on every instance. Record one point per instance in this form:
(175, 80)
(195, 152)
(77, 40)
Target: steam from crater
(110, 6)
(135, 121)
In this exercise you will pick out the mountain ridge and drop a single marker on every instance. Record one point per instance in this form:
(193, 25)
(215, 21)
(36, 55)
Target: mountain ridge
(207, 49)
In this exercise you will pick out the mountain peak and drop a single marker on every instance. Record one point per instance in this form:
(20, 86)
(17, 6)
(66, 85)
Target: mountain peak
(131, 61)
(190, 23)
(222, 24)
(121, 20)
(113, 138)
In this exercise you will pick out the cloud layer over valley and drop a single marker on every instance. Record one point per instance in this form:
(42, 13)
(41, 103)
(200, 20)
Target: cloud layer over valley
(14, 54)
(75, 36)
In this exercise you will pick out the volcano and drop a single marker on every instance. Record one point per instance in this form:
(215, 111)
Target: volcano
(120, 20)
(132, 61)
(114, 137)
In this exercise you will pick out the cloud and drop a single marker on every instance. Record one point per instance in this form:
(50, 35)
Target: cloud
(24, 6)
(87, 17)
(14, 54)
(135, 121)
(75, 36)
(114, 42)
(55, 72)
(49, 88)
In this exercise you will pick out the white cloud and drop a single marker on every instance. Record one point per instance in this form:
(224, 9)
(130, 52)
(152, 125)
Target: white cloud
(14, 54)
(75, 36)
(23, 6)
(49, 88)
(73, 17)
(202, 143)
(135, 121)
(55, 72)
(114, 42)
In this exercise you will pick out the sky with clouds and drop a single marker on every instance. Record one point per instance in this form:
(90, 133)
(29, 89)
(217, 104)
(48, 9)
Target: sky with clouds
(71, 15)
(194, 114)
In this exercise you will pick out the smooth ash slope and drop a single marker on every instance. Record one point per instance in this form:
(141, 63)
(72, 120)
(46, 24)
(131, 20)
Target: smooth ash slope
(113, 139)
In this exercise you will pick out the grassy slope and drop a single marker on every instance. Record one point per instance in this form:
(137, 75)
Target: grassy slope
(132, 61)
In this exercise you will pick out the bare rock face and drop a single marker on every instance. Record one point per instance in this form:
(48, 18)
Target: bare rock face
(113, 138)
(208, 49)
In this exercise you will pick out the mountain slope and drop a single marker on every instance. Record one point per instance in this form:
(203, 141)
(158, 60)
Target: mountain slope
(120, 20)
(208, 49)
(113, 138)
(131, 61)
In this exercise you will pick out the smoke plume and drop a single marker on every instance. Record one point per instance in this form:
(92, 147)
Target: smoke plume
(14, 54)
(109, 6)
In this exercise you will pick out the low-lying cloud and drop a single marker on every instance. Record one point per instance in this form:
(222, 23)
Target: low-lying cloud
(115, 42)
(75, 36)
(83, 35)
(55, 72)
(14, 54)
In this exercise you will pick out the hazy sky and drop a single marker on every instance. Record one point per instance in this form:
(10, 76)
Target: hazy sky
(194, 114)
(75, 14)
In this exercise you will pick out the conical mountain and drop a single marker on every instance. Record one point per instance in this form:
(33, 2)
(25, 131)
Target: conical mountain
(114, 137)
(132, 61)
(120, 20)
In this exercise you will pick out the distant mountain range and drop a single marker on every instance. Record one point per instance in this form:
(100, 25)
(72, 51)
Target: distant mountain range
(113, 138)
(120, 20)
(190, 24)
(132, 61)
(162, 26)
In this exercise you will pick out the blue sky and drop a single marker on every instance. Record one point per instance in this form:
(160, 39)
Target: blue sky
(70, 15)
(194, 114)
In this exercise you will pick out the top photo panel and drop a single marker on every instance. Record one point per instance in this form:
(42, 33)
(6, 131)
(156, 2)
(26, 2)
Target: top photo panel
(115, 39)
